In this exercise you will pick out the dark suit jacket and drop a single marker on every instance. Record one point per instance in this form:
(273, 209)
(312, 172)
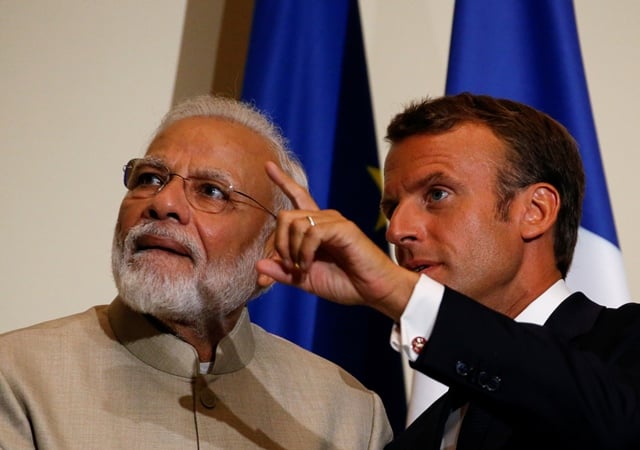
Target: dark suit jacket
(573, 383)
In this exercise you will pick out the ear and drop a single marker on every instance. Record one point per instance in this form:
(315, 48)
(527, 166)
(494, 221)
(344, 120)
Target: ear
(541, 203)
(264, 281)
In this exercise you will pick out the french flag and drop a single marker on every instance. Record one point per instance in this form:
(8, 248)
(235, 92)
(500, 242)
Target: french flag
(529, 51)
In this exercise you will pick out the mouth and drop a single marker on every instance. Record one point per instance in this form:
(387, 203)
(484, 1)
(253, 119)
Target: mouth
(420, 267)
(151, 242)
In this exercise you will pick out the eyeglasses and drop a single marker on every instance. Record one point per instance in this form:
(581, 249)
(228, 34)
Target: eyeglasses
(145, 178)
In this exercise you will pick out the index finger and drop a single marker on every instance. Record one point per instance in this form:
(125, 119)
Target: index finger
(298, 195)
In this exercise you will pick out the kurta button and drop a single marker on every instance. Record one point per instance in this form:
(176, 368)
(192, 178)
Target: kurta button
(208, 399)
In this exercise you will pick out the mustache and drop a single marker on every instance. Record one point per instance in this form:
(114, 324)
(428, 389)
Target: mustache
(162, 231)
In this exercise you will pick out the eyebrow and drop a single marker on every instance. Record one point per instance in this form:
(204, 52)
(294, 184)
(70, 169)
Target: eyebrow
(432, 178)
(213, 174)
(427, 180)
(418, 185)
(154, 161)
(218, 174)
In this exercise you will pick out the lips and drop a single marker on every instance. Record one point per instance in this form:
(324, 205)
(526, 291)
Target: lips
(418, 266)
(152, 242)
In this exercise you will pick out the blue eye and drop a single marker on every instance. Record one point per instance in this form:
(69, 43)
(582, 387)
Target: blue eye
(438, 195)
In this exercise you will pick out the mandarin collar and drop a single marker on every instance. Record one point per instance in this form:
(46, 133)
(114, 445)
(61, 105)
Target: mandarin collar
(168, 353)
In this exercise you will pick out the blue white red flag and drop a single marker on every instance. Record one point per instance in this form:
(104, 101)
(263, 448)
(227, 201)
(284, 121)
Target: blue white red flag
(529, 51)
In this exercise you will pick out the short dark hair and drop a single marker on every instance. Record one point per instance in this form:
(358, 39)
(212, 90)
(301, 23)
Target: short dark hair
(537, 149)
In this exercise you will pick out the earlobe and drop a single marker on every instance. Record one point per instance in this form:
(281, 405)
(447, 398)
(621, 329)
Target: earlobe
(264, 281)
(541, 211)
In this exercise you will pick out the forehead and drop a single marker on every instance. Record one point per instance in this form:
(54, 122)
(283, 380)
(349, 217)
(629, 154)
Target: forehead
(210, 142)
(468, 151)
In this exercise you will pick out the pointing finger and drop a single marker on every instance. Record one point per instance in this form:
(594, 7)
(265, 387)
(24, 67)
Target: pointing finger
(298, 195)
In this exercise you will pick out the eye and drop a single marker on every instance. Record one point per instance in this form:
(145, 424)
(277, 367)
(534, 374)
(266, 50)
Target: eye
(437, 195)
(144, 176)
(211, 190)
(149, 179)
(387, 207)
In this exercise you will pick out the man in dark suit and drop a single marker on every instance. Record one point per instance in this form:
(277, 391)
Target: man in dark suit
(483, 198)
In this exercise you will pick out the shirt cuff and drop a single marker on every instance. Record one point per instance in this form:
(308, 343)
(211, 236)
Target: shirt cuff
(418, 319)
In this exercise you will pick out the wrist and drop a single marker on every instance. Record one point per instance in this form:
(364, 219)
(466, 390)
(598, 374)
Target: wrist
(401, 287)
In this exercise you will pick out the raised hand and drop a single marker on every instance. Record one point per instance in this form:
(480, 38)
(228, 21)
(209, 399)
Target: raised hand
(322, 252)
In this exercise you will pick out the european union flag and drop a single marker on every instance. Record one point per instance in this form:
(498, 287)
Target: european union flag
(306, 68)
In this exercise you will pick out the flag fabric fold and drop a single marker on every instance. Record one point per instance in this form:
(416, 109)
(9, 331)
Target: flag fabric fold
(528, 51)
(306, 68)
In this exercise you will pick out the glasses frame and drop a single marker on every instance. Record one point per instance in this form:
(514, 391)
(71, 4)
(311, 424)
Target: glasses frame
(230, 189)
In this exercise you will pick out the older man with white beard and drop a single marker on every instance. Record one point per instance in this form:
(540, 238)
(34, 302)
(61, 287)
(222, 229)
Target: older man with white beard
(173, 361)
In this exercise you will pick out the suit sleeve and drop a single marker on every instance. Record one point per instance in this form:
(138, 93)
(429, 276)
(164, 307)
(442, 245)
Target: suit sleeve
(583, 387)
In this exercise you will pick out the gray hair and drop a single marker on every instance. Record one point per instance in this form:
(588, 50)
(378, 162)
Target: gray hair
(250, 117)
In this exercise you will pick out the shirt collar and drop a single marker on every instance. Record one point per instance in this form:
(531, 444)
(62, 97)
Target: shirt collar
(539, 310)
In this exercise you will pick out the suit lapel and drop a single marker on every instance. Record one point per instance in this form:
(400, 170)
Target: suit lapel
(475, 426)
(426, 431)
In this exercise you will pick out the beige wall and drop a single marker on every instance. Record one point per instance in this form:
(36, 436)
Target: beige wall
(84, 84)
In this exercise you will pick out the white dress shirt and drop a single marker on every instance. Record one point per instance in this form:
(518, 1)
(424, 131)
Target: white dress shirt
(418, 319)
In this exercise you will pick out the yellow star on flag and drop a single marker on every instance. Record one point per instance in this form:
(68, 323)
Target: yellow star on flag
(376, 174)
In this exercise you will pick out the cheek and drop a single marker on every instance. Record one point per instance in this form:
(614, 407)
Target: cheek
(464, 229)
(494, 243)
(479, 236)
(220, 239)
(129, 215)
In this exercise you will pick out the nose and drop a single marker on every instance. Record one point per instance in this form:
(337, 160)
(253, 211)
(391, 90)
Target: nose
(170, 202)
(404, 225)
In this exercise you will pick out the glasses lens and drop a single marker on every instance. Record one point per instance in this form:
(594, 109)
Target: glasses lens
(144, 178)
(208, 195)
(127, 172)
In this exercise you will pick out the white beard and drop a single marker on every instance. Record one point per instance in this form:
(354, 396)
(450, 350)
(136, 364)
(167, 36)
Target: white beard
(216, 289)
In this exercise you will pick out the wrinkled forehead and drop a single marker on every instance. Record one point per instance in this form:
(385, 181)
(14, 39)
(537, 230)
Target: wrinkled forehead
(210, 133)
(197, 145)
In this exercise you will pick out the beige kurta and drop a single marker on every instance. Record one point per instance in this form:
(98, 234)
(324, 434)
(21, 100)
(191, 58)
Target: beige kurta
(108, 379)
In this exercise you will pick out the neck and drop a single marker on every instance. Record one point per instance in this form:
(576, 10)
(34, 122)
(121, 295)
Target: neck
(206, 337)
(515, 299)
(536, 273)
